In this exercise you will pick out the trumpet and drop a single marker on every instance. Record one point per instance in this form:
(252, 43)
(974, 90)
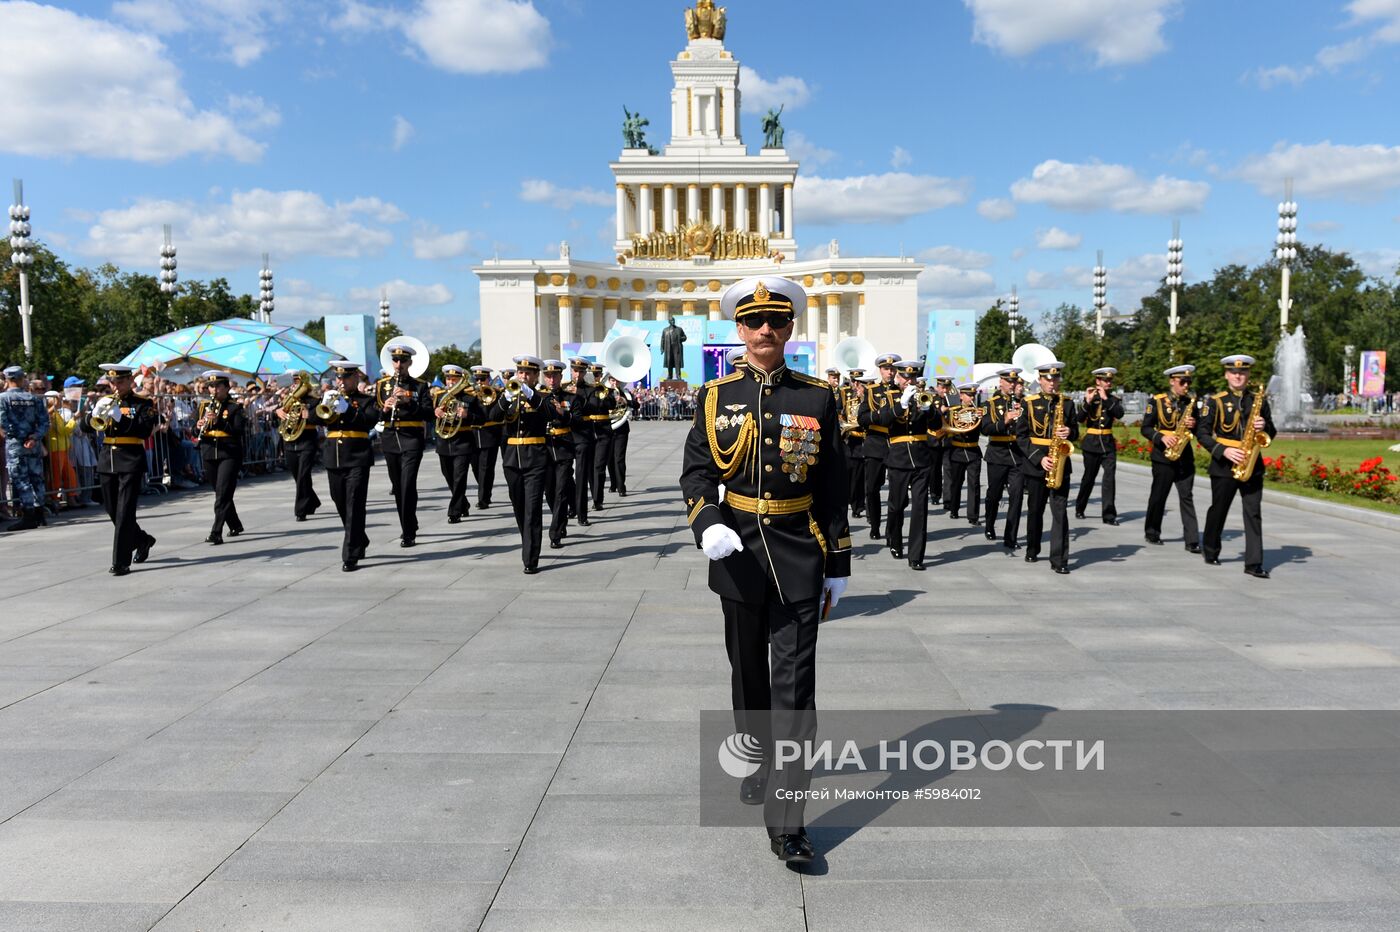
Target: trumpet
(326, 409)
(924, 399)
(485, 395)
(99, 420)
(512, 388)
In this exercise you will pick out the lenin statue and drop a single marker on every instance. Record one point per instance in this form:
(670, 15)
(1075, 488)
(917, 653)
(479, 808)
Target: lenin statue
(672, 355)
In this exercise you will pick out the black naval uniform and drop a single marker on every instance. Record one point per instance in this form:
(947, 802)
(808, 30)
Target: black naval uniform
(617, 463)
(1099, 449)
(1003, 469)
(908, 460)
(559, 476)
(405, 435)
(943, 469)
(455, 456)
(221, 449)
(592, 420)
(875, 449)
(853, 440)
(301, 458)
(598, 420)
(1033, 434)
(963, 461)
(348, 458)
(1162, 416)
(121, 470)
(526, 427)
(487, 434)
(1220, 424)
(937, 451)
(772, 440)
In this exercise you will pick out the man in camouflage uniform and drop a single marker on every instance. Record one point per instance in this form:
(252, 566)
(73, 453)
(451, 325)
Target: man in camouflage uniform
(24, 421)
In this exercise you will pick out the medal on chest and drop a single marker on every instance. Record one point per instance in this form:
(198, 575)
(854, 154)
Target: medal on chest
(797, 445)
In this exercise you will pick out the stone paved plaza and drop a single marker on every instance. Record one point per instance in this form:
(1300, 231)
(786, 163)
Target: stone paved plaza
(244, 737)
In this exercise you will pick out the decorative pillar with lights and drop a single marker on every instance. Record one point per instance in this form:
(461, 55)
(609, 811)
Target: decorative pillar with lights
(168, 275)
(1287, 251)
(1174, 269)
(1013, 314)
(265, 287)
(384, 307)
(1100, 294)
(22, 255)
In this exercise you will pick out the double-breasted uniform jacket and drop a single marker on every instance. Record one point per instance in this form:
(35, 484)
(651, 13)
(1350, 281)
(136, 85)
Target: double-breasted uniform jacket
(1001, 436)
(908, 433)
(593, 409)
(1163, 416)
(224, 438)
(525, 422)
(938, 436)
(463, 442)
(1096, 418)
(844, 393)
(877, 440)
(772, 440)
(405, 425)
(1035, 428)
(562, 423)
(124, 443)
(1221, 423)
(347, 435)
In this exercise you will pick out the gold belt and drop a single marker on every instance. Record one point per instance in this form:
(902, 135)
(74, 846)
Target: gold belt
(398, 424)
(1098, 431)
(347, 435)
(124, 441)
(938, 434)
(1227, 442)
(908, 438)
(524, 441)
(768, 506)
(1042, 441)
(1001, 438)
(879, 428)
(560, 431)
(965, 444)
(215, 433)
(597, 417)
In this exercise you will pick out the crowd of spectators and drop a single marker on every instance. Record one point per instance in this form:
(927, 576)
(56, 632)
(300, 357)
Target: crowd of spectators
(1386, 404)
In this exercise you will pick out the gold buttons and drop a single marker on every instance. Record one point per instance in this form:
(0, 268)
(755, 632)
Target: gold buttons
(768, 441)
(767, 520)
(768, 391)
(767, 416)
(767, 494)
(768, 468)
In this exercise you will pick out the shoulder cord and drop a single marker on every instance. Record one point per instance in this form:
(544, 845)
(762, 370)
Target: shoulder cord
(728, 459)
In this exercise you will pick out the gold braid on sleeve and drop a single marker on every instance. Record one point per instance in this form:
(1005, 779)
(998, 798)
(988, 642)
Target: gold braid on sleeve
(730, 458)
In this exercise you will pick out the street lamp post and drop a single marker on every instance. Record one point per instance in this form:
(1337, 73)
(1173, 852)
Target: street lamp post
(22, 255)
(1287, 248)
(1174, 269)
(168, 275)
(265, 304)
(1100, 294)
(384, 307)
(1013, 314)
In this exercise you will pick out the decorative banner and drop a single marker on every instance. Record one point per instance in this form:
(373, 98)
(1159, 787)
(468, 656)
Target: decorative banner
(1372, 374)
(951, 343)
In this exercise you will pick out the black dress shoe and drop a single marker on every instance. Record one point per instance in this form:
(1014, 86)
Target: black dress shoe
(406, 542)
(144, 551)
(1011, 549)
(916, 565)
(897, 553)
(1193, 548)
(232, 532)
(1111, 521)
(1031, 558)
(1258, 572)
(857, 514)
(1213, 561)
(1154, 540)
(531, 570)
(876, 535)
(119, 570)
(1079, 515)
(214, 539)
(584, 522)
(301, 517)
(349, 566)
(556, 544)
(1061, 569)
(454, 519)
(952, 514)
(990, 535)
(752, 789)
(622, 492)
(792, 849)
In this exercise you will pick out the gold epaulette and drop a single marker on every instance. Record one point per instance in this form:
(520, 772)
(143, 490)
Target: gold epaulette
(1220, 394)
(1159, 396)
(810, 379)
(733, 376)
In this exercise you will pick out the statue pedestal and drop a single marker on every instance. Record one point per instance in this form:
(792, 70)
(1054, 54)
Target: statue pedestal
(674, 385)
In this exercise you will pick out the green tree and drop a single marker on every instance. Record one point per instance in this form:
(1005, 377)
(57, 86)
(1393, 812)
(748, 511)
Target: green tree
(315, 329)
(452, 355)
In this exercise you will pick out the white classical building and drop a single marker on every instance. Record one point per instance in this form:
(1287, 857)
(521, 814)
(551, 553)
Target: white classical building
(691, 220)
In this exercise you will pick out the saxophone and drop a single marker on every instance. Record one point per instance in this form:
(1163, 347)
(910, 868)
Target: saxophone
(295, 422)
(1060, 450)
(1180, 432)
(1253, 441)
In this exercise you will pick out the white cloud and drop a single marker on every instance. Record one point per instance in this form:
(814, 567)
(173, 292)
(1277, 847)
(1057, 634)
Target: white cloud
(298, 300)
(1380, 263)
(216, 236)
(900, 158)
(1269, 78)
(804, 150)
(1388, 11)
(946, 281)
(253, 112)
(1332, 58)
(1118, 32)
(756, 94)
(1324, 226)
(1098, 186)
(242, 26)
(405, 294)
(956, 256)
(1356, 173)
(462, 36)
(1055, 238)
(886, 198)
(539, 191)
(403, 132)
(1128, 281)
(431, 243)
(439, 328)
(996, 209)
(79, 86)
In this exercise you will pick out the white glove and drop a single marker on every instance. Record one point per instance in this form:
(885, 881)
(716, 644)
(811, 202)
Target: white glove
(341, 404)
(103, 406)
(527, 391)
(835, 586)
(909, 392)
(114, 412)
(719, 541)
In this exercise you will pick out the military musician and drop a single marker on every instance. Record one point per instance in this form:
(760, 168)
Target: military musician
(586, 410)
(1043, 433)
(125, 420)
(1097, 412)
(405, 404)
(777, 540)
(597, 417)
(877, 444)
(559, 449)
(908, 420)
(299, 451)
(1168, 424)
(348, 414)
(221, 425)
(1003, 457)
(486, 436)
(946, 398)
(526, 414)
(621, 433)
(963, 459)
(853, 436)
(456, 447)
(1221, 425)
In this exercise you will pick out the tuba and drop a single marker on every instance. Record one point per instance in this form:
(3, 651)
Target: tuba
(623, 412)
(453, 410)
(1180, 432)
(963, 419)
(295, 422)
(1060, 450)
(1253, 441)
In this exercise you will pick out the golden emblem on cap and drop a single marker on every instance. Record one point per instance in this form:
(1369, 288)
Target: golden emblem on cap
(761, 293)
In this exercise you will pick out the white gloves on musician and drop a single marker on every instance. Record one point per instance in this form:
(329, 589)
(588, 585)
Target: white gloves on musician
(527, 391)
(908, 396)
(833, 587)
(108, 408)
(719, 541)
(342, 404)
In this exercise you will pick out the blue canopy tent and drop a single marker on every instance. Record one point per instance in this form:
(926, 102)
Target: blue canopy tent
(246, 348)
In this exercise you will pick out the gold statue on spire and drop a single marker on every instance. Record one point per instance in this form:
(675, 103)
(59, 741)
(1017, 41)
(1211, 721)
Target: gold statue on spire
(706, 21)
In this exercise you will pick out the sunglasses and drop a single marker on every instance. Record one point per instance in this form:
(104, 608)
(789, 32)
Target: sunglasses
(1181, 380)
(776, 320)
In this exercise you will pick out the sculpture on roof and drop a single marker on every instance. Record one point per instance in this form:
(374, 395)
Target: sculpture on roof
(706, 21)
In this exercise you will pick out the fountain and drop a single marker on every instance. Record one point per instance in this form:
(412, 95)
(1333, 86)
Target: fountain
(1291, 406)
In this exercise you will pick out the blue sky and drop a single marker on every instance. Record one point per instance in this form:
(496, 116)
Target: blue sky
(366, 144)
